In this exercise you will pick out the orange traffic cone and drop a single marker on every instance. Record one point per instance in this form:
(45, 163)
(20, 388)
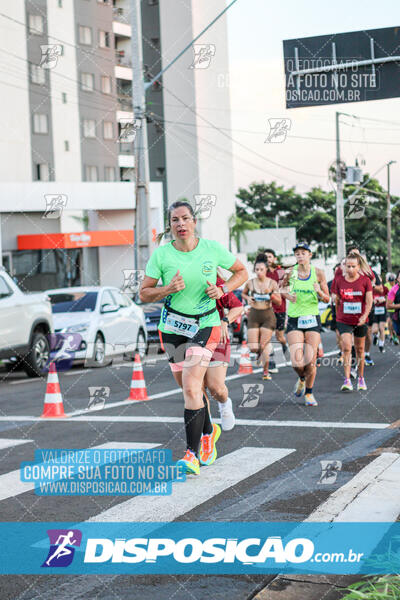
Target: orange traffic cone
(138, 389)
(245, 366)
(53, 402)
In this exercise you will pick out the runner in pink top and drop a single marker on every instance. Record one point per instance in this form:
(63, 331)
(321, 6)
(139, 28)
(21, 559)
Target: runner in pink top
(353, 295)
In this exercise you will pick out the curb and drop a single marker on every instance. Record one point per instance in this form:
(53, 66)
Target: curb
(312, 587)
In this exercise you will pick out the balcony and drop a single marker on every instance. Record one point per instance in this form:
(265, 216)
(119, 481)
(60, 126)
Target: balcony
(121, 23)
(126, 148)
(125, 102)
(122, 59)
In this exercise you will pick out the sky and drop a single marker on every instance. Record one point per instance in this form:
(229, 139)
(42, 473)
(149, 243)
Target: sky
(256, 29)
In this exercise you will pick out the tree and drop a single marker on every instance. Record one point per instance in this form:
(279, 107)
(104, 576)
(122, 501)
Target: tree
(312, 214)
(237, 229)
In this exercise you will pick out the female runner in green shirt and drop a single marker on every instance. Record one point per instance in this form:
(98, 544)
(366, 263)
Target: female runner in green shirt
(189, 326)
(307, 284)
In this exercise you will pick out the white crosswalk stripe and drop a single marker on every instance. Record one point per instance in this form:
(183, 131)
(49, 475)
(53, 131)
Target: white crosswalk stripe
(226, 472)
(9, 443)
(11, 485)
(372, 494)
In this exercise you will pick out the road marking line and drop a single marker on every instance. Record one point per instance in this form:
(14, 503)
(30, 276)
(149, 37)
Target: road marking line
(9, 443)
(357, 497)
(226, 472)
(27, 381)
(242, 422)
(11, 485)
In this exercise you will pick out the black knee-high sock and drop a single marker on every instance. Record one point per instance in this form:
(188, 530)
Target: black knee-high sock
(207, 417)
(194, 423)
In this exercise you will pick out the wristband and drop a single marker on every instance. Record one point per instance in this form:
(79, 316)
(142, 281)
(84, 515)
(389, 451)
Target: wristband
(225, 319)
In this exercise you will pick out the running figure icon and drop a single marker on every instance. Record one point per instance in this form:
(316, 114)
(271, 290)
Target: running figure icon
(62, 549)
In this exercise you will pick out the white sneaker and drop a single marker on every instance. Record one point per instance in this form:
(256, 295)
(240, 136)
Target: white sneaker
(227, 416)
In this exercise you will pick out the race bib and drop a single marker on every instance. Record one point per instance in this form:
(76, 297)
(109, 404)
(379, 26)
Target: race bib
(379, 310)
(262, 297)
(352, 308)
(181, 325)
(307, 322)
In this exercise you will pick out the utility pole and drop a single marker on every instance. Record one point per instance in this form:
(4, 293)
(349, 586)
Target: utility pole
(142, 237)
(340, 226)
(389, 219)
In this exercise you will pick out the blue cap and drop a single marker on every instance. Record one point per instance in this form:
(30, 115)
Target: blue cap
(303, 245)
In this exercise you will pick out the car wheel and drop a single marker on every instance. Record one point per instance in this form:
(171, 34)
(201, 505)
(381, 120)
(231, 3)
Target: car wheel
(99, 351)
(35, 363)
(243, 332)
(141, 345)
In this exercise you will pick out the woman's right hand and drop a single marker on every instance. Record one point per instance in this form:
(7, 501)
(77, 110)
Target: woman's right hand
(176, 284)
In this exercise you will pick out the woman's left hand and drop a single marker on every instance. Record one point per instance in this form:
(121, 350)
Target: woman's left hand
(224, 332)
(214, 291)
(317, 288)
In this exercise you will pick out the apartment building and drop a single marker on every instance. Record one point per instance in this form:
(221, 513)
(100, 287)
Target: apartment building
(67, 175)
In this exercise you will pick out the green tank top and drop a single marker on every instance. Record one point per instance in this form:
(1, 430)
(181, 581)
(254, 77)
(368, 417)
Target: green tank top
(307, 298)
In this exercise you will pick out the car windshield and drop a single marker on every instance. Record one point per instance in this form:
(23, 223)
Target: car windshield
(73, 302)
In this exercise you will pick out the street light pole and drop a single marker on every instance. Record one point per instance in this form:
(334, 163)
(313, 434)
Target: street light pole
(340, 226)
(389, 219)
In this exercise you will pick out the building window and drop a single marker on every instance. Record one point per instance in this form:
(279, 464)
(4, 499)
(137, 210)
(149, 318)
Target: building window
(36, 24)
(87, 82)
(40, 124)
(42, 172)
(66, 145)
(160, 171)
(91, 173)
(155, 42)
(104, 39)
(108, 130)
(85, 35)
(109, 173)
(38, 74)
(106, 84)
(64, 98)
(153, 2)
(89, 128)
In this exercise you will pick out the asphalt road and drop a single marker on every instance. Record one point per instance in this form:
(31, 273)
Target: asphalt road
(350, 428)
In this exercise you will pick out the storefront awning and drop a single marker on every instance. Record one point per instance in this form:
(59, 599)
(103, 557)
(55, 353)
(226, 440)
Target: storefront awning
(83, 239)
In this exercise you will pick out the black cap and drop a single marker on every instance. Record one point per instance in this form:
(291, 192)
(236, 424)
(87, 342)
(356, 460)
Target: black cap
(303, 245)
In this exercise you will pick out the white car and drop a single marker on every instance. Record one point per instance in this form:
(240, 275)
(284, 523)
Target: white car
(107, 321)
(25, 324)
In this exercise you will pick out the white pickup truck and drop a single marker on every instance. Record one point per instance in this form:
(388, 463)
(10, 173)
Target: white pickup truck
(25, 322)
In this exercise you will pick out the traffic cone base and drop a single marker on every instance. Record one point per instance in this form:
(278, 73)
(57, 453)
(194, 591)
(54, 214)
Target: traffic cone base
(53, 403)
(138, 389)
(245, 366)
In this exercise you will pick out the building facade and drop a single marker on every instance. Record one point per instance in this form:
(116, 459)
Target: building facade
(68, 152)
(68, 132)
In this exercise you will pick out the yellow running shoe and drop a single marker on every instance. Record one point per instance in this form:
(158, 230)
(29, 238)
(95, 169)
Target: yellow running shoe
(309, 400)
(208, 450)
(300, 387)
(190, 463)
(266, 377)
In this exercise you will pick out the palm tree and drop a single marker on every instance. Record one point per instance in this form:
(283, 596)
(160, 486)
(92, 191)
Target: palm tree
(237, 228)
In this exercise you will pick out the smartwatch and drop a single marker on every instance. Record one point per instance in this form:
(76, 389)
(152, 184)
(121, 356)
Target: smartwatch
(225, 319)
